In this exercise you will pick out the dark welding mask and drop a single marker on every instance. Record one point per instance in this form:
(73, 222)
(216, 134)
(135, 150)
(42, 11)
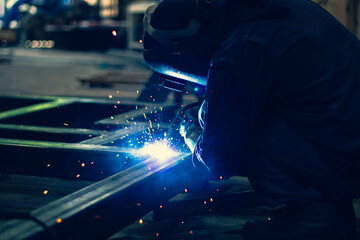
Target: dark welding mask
(170, 29)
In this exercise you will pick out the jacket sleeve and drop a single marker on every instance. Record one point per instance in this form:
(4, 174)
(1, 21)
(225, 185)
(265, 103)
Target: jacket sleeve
(234, 104)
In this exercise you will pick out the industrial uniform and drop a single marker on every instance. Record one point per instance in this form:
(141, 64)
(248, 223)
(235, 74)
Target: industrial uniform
(284, 92)
(282, 107)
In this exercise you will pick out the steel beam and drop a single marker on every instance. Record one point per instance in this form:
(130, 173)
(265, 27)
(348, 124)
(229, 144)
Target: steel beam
(34, 108)
(63, 160)
(56, 130)
(103, 208)
(62, 146)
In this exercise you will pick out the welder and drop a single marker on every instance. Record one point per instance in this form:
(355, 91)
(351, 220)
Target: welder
(281, 105)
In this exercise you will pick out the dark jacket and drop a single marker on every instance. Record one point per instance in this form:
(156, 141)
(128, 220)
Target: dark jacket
(288, 60)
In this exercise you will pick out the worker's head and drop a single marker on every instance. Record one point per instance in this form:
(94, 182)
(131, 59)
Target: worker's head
(181, 36)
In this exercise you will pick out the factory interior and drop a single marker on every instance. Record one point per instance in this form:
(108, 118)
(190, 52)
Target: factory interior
(78, 108)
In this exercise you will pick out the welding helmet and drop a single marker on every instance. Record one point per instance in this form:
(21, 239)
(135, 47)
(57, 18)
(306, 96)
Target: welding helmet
(171, 40)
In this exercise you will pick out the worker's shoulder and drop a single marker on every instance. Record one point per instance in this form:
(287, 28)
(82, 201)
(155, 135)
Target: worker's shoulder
(251, 37)
(284, 24)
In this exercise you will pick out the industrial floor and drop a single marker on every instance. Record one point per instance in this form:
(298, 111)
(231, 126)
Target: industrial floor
(58, 73)
(223, 224)
(219, 225)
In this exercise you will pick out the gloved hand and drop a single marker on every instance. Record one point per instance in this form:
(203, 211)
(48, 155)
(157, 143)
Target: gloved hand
(190, 128)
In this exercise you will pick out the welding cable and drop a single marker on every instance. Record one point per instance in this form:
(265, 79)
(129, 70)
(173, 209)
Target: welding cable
(7, 215)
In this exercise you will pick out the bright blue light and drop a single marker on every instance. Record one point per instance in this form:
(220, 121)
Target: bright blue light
(159, 150)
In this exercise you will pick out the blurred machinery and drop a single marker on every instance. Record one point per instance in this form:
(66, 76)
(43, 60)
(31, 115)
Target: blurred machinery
(135, 14)
(77, 24)
(103, 24)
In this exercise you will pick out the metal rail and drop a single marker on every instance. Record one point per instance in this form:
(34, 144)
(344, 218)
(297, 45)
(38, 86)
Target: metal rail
(101, 209)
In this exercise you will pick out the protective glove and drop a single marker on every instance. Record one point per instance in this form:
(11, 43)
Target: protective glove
(190, 128)
(191, 135)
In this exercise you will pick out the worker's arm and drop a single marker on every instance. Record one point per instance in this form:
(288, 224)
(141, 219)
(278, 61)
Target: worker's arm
(235, 99)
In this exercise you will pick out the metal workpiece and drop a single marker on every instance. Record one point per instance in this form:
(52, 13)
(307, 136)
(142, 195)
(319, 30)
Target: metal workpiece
(101, 209)
(34, 108)
(37, 132)
(63, 160)
(76, 139)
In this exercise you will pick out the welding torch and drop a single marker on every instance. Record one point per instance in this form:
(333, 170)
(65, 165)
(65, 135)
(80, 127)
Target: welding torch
(180, 119)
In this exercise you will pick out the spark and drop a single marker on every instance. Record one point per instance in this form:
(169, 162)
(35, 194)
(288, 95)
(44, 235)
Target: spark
(58, 220)
(159, 150)
(46, 192)
(141, 221)
(110, 96)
